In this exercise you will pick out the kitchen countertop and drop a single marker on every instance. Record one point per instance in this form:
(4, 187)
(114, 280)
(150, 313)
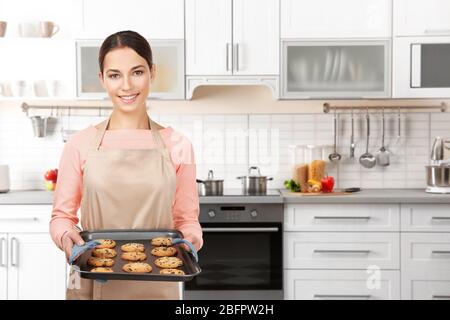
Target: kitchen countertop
(41, 197)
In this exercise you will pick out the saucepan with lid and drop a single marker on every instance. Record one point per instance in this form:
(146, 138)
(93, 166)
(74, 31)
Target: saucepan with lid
(254, 184)
(210, 186)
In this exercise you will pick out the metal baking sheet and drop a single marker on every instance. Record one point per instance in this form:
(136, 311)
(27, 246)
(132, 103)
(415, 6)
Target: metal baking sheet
(190, 267)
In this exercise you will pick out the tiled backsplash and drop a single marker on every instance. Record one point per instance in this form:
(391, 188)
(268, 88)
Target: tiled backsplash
(230, 143)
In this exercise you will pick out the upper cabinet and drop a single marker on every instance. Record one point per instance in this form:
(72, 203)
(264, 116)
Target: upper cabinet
(421, 17)
(154, 19)
(232, 42)
(232, 37)
(336, 19)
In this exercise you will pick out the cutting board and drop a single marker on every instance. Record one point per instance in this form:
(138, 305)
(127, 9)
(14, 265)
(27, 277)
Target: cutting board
(320, 194)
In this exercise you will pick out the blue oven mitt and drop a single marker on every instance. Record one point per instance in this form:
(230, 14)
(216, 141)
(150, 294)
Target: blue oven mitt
(189, 244)
(79, 250)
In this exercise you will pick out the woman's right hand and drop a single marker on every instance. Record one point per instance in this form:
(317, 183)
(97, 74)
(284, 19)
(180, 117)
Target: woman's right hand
(69, 239)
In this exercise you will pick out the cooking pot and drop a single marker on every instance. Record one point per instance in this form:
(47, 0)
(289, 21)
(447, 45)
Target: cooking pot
(254, 184)
(210, 186)
(438, 176)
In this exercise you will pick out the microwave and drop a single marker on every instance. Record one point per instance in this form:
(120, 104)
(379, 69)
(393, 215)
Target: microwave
(421, 67)
(168, 56)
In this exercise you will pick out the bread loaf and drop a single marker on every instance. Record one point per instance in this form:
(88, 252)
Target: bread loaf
(316, 170)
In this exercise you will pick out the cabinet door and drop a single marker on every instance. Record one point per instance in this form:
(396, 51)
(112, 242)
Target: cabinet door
(421, 18)
(370, 284)
(153, 19)
(256, 37)
(208, 37)
(425, 217)
(3, 266)
(425, 285)
(37, 268)
(335, 19)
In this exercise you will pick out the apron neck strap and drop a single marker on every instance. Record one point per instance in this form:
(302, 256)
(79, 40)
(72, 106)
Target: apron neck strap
(102, 129)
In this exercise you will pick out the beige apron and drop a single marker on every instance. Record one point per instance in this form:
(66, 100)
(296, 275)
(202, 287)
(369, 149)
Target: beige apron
(127, 189)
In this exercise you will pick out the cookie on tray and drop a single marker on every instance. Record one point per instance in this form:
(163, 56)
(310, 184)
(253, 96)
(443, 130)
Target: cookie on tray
(102, 269)
(105, 244)
(104, 253)
(137, 267)
(100, 262)
(164, 251)
(168, 262)
(177, 272)
(161, 241)
(134, 256)
(133, 247)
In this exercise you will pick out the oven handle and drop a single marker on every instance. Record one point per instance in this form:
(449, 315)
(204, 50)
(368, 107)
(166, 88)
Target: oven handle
(274, 229)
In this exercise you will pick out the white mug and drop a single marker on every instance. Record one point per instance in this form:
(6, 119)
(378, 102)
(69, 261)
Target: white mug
(5, 89)
(20, 88)
(3, 25)
(54, 88)
(29, 29)
(4, 178)
(40, 89)
(48, 29)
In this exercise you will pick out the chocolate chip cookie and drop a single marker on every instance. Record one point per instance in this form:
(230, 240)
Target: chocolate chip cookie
(104, 253)
(161, 241)
(105, 244)
(133, 247)
(137, 267)
(102, 269)
(134, 256)
(164, 251)
(168, 262)
(100, 262)
(177, 272)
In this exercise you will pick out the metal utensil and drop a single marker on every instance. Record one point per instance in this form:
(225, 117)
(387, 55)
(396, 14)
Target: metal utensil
(437, 151)
(352, 139)
(335, 157)
(367, 160)
(383, 154)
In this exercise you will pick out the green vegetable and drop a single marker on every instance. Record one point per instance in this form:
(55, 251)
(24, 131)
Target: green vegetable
(292, 185)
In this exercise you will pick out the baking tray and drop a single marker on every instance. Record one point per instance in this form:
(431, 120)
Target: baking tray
(190, 266)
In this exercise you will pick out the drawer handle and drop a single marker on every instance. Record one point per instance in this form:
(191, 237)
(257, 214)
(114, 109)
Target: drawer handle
(440, 218)
(440, 252)
(363, 296)
(340, 217)
(437, 31)
(439, 296)
(3, 253)
(22, 218)
(14, 252)
(343, 251)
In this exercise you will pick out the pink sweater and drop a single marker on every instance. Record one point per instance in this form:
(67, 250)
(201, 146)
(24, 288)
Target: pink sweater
(68, 193)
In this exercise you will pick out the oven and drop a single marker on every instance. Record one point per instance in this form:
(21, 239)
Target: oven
(242, 253)
(422, 67)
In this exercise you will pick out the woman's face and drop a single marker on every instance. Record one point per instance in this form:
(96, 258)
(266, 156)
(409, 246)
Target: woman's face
(126, 78)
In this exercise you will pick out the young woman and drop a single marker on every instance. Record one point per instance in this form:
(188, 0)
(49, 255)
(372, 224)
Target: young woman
(127, 172)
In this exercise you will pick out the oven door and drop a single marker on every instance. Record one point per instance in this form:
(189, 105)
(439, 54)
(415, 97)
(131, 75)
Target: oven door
(422, 67)
(239, 261)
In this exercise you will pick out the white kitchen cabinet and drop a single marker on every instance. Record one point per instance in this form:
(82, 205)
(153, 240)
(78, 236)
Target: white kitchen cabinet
(341, 250)
(421, 17)
(371, 284)
(3, 266)
(32, 267)
(153, 19)
(335, 19)
(425, 217)
(336, 69)
(345, 217)
(223, 37)
(425, 285)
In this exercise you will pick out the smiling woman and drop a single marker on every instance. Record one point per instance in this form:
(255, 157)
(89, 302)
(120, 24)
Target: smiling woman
(122, 173)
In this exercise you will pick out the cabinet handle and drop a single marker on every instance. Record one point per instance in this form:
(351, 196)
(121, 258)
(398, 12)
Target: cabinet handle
(14, 252)
(437, 31)
(439, 296)
(440, 218)
(21, 218)
(440, 252)
(340, 217)
(237, 56)
(3, 253)
(364, 296)
(227, 48)
(342, 251)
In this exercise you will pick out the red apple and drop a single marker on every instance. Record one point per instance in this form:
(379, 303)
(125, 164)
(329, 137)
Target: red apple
(51, 175)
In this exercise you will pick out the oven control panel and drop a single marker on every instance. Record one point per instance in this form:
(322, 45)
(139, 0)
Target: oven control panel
(241, 213)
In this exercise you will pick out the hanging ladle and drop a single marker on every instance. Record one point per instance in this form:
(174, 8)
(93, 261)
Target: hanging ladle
(335, 157)
(383, 154)
(367, 160)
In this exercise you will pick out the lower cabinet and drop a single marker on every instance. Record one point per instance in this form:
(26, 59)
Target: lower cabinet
(372, 284)
(31, 266)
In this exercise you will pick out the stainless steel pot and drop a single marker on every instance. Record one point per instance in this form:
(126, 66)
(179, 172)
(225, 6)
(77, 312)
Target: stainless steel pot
(438, 176)
(211, 186)
(254, 184)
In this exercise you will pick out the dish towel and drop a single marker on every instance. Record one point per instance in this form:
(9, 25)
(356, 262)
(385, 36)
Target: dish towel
(189, 244)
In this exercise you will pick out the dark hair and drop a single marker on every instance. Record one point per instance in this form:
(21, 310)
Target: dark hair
(124, 39)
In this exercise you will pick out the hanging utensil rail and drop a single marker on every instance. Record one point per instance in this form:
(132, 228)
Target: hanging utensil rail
(327, 107)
